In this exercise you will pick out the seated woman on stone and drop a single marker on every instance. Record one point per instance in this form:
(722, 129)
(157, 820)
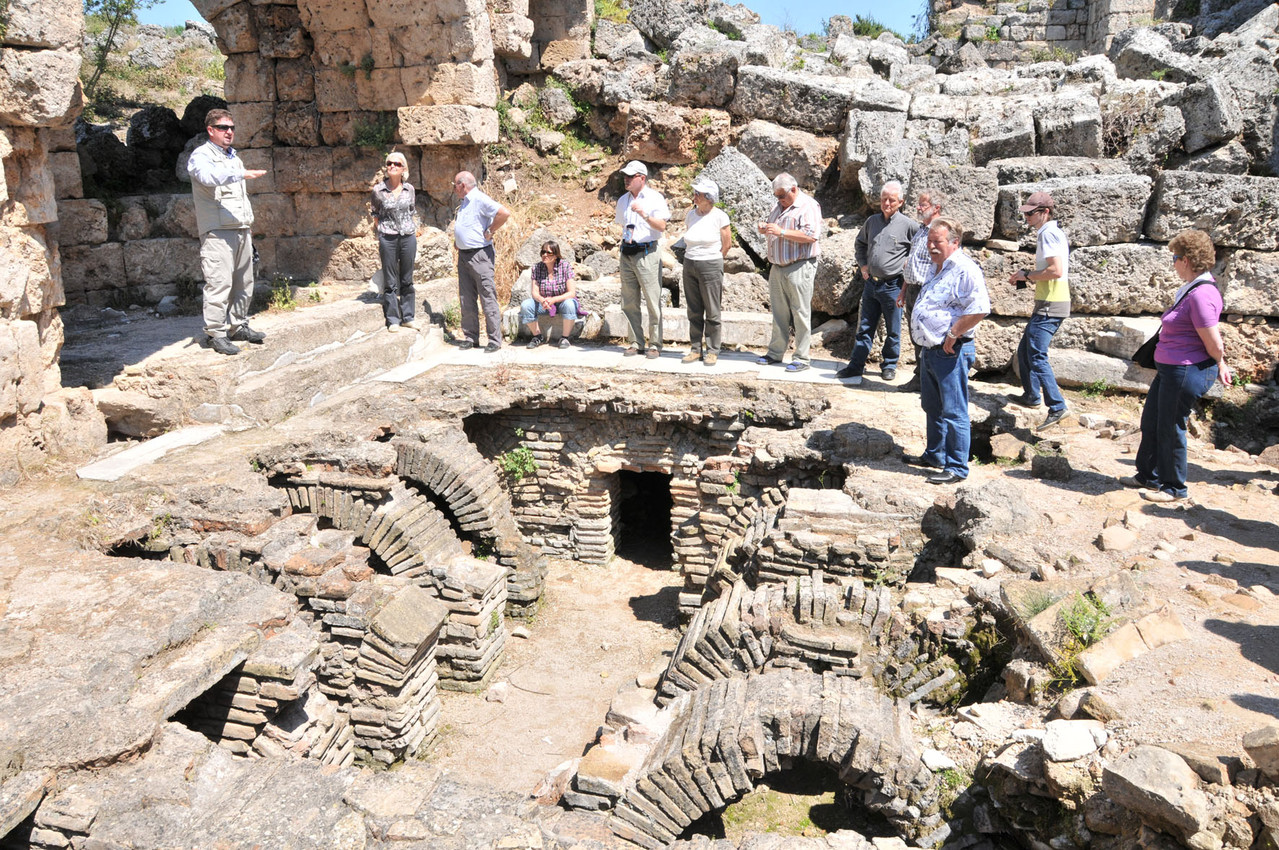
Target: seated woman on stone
(552, 294)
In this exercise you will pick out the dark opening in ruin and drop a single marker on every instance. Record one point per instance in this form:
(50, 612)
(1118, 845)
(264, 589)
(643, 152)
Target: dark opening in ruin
(644, 530)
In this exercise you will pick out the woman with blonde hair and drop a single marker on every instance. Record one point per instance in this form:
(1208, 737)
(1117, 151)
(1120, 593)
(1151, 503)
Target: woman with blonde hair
(1189, 356)
(394, 210)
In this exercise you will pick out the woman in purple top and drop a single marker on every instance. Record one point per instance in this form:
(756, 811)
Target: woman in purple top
(552, 293)
(1188, 358)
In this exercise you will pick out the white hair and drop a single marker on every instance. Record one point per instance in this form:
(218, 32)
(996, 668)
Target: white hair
(784, 182)
(893, 187)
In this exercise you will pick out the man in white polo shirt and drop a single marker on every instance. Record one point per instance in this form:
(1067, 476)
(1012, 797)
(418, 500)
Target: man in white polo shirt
(642, 212)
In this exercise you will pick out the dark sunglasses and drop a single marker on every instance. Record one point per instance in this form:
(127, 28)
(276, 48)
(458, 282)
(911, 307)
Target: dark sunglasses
(391, 162)
(1176, 257)
(548, 253)
(224, 127)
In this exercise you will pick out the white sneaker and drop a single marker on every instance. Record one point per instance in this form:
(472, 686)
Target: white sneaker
(413, 325)
(392, 329)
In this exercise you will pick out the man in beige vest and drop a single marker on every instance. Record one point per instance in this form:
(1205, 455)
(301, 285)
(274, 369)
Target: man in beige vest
(224, 216)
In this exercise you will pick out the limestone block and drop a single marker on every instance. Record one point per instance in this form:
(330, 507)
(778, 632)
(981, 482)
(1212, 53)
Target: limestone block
(254, 125)
(356, 169)
(744, 192)
(236, 29)
(1074, 368)
(1159, 787)
(662, 22)
(1251, 280)
(1127, 279)
(438, 167)
(1092, 210)
(949, 146)
(1145, 51)
(1235, 210)
(155, 261)
(343, 50)
(1125, 335)
(297, 124)
(447, 125)
(864, 132)
(1254, 79)
(1033, 169)
(1069, 125)
(872, 94)
(333, 15)
(40, 88)
(776, 149)
(33, 23)
(335, 91)
(324, 213)
(466, 40)
(82, 222)
(280, 32)
(295, 80)
(793, 98)
(88, 268)
(615, 41)
(656, 132)
(379, 90)
(1230, 158)
(274, 215)
(971, 194)
(634, 80)
(65, 168)
(352, 260)
(1211, 112)
(947, 108)
(1001, 129)
(250, 77)
(1068, 740)
(70, 423)
(28, 191)
(29, 273)
(462, 83)
(20, 362)
(135, 414)
(891, 162)
(561, 50)
(1262, 746)
(704, 68)
(837, 288)
(303, 169)
(260, 159)
(512, 35)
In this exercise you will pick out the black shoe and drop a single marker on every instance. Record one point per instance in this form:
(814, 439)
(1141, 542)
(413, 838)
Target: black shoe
(465, 344)
(1023, 400)
(920, 460)
(1053, 417)
(536, 341)
(888, 374)
(944, 477)
(765, 360)
(493, 346)
(244, 333)
(911, 386)
(222, 345)
(848, 372)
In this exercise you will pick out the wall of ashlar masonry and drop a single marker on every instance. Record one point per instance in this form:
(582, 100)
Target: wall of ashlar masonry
(1077, 26)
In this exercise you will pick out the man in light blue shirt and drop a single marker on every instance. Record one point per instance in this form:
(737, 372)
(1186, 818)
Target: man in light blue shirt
(478, 218)
(952, 301)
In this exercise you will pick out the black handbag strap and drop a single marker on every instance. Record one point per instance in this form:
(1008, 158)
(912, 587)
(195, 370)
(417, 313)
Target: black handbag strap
(1193, 287)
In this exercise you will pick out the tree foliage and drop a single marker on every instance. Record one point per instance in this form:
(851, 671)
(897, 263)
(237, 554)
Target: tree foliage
(115, 14)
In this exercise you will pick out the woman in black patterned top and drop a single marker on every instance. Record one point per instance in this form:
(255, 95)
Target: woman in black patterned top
(395, 214)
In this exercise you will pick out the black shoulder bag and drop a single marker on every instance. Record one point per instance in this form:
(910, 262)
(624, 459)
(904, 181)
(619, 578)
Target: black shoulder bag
(1145, 355)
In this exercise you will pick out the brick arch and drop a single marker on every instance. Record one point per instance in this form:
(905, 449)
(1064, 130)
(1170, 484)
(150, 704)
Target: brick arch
(722, 738)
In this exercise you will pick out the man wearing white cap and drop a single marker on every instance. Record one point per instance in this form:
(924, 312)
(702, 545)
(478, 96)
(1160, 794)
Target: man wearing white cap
(706, 240)
(642, 212)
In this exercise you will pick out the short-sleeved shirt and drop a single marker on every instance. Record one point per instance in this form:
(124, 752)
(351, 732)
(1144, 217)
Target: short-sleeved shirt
(883, 245)
(1179, 341)
(957, 289)
(552, 283)
(805, 215)
(396, 212)
(474, 216)
(703, 235)
(634, 227)
(1052, 297)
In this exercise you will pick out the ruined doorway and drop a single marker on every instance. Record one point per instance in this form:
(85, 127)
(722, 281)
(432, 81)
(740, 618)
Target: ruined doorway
(643, 532)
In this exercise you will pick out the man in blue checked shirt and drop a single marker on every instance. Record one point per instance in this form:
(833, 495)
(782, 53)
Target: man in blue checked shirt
(952, 301)
(918, 264)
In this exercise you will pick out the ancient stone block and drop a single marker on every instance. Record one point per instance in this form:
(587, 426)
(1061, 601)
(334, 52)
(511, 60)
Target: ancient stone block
(745, 192)
(82, 222)
(1032, 169)
(65, 168)
(837, 288)
(27, 193)
(1159, 787)
(1001, 129)
(971, 194)
(92, 267)
(335, 91)
(679, 135)
(321, 213)
(1126, 279)
(20, 361)
(254, 125)
(793, 98)
(154, 261)
(447, 125)
(704, 68)
(1092, 210)
(280, 32)
(1211, 112)
(866, 131)
(28, 273)
(250, 77)
(1236, 211)
(303, 169)
(40, 88)
(260, 159)
(295, 79)
(512, 35)
(438, 167)
(1069, 126)
(274, 215)
(776, 149)
(236, 29)
(462, 83)
(354, 169)
(1251, 283)
(333, 15)
(297, 124)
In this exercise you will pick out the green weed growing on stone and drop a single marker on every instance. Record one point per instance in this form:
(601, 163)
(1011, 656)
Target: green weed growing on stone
(518, 463)
(378, 133)
(611, 10)
(282, 293)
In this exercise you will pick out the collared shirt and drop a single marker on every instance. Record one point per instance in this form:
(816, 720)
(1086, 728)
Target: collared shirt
(213, 165)
(1052, 297)
(552, 283)
(634, 226)
(805, 215)
(474, 216)
(957, 289)
(919, 263)
(396, 212)
(218, 189)
(883, 244)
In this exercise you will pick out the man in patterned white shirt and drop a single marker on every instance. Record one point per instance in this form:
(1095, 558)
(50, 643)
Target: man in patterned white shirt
(952, 301)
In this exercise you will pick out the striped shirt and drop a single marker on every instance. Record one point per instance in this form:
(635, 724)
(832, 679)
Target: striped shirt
(805, 215)
(919, 264)
(550, 284)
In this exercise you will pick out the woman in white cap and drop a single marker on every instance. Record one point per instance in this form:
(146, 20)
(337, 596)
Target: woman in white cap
(395, 219)
(707, 240)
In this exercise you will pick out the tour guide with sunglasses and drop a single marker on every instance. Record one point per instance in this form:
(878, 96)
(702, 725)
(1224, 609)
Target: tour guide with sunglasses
(224, 216)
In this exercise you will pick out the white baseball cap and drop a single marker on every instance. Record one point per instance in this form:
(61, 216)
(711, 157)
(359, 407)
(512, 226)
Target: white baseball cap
(635, 167)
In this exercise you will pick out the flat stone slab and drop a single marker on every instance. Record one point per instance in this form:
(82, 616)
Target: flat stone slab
(122, 463)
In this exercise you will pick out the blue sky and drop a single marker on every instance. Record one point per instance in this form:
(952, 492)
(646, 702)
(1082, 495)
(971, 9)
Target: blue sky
(802, 17)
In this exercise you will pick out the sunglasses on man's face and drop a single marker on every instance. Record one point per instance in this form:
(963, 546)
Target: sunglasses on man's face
(225, 128)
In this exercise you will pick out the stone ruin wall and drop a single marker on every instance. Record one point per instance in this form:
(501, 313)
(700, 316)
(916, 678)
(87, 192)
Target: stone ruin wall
(39, 99)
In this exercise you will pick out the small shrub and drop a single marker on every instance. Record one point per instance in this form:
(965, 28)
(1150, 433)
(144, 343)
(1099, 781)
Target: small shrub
(378, 133)
(1158, 74)
(347, 70)
(367, 66)
(1096, 389)
(611, 10)
(517, 464)
(282, 293)
(1036, 603)
(992, 33)
(453, 315)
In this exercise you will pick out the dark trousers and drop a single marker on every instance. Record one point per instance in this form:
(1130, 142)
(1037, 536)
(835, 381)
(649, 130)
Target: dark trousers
(703, 290)
(1032, 361)
(475, 280)
(398, 251)
(879, 301)
(1161, 455)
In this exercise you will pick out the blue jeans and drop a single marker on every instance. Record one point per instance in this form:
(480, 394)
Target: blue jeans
(530, 310)
(1161, 456)
(943, 393)
(1032, 362)
(879, 300)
